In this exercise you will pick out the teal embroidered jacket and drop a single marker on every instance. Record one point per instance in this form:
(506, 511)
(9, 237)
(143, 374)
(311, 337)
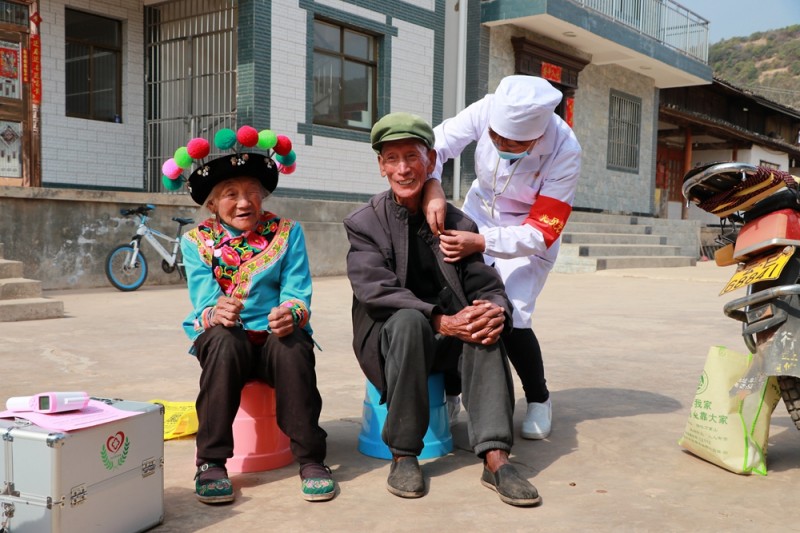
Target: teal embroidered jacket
(265, 268)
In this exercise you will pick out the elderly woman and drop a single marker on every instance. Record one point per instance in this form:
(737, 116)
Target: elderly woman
(250, 287)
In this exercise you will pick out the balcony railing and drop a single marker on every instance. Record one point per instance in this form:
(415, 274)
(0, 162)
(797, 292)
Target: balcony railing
(668, 22)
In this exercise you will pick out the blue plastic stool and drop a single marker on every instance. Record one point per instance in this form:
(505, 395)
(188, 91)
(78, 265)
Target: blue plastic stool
(437, 441)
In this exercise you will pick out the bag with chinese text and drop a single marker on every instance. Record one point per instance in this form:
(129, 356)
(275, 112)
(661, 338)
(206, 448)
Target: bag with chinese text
(729, 421)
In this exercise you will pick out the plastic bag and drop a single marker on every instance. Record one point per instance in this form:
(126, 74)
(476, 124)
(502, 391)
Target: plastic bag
(180, 418)
(729, 421)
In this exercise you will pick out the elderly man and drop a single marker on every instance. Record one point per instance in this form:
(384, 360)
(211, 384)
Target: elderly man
(414, 313)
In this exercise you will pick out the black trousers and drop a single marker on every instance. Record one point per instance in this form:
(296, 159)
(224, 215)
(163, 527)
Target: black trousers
(525, 354)
(412, 351)
(229, 360)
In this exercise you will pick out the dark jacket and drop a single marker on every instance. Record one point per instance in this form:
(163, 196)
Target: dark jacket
(377, 265)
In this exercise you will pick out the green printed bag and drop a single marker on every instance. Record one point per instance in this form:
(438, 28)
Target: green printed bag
(729, 421)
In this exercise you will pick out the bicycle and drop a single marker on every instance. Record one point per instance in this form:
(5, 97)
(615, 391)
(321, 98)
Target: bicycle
(126, 265)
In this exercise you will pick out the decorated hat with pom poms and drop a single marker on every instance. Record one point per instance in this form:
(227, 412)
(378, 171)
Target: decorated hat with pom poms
(239, 163)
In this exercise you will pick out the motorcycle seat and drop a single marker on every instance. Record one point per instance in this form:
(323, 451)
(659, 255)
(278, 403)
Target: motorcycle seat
(783, 199)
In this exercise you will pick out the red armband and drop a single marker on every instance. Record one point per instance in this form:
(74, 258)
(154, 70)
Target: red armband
(549, 216)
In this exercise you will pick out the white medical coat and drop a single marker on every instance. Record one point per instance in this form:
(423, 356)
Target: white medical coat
(518, 249)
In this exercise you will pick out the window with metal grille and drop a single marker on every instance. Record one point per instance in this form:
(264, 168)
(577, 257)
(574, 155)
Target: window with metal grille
(767, 164)
(93, 66)
(345, 72)
(624, 131)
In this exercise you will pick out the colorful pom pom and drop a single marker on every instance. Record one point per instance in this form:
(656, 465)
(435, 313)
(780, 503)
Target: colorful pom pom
(182, 157)
(171, 169)
(287, 169)
(247, 136)
(283, 146)
(286, 160)
(171, 184)
(267, 139)
(225, 138)
(198, 148)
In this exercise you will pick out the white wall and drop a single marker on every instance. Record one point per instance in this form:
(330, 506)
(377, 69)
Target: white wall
(338, 165)
(83, 152)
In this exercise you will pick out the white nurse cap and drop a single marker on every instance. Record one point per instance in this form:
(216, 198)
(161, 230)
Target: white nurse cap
(522, 106)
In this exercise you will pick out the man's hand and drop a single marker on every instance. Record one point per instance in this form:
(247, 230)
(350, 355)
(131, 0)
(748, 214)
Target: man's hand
(281, 321)
(482, 322)
(434, 205)
(227, 311)
(456, 245)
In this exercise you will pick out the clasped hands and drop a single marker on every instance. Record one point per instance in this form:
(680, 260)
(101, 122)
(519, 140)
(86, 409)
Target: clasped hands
(228, 309)
(479, 323)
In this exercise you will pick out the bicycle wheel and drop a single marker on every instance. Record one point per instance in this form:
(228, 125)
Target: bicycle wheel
(120, 273)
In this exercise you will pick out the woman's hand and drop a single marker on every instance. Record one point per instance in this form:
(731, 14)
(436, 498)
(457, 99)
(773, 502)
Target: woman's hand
(456, 245)
(227, 311)
(434, 205)
(281, 321)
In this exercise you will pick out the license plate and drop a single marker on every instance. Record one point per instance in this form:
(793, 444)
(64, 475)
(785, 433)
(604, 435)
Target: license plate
(763, 269)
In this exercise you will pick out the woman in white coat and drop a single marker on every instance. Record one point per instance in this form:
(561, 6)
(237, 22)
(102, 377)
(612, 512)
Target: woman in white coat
(527, 162)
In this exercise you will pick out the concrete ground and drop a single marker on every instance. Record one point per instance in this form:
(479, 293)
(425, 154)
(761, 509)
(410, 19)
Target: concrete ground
(623, 352)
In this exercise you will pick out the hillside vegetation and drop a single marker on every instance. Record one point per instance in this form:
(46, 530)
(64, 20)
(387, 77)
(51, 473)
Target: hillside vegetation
(766, 63)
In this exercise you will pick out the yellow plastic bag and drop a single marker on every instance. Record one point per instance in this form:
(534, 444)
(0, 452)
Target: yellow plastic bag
(729, 421)
(180, 418)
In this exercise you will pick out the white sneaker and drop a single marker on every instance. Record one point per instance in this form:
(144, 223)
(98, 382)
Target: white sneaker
(453, 408)
(538, 421)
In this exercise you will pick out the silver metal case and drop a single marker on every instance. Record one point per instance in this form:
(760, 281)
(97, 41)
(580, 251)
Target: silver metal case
(106, 478)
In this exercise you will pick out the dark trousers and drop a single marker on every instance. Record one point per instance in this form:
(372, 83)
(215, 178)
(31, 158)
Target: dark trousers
(526, 356)
(524, 353)
(411, 351)
(229, 360)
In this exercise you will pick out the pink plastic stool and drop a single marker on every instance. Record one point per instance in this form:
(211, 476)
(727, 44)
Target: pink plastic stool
(258, 443)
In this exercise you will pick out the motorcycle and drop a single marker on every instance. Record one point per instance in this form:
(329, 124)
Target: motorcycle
(759, 211)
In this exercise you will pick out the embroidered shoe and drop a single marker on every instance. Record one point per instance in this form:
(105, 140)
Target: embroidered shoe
(538, 421)
(216, 487)
(453, 408)
(316, 483)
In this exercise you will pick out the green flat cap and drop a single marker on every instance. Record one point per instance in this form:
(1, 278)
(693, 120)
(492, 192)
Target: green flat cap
(397, 126)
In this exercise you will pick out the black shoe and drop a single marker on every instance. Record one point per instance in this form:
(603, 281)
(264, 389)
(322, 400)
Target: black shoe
(405, 478)
(512, 488)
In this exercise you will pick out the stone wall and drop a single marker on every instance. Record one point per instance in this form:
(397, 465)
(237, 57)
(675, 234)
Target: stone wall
(63, 236)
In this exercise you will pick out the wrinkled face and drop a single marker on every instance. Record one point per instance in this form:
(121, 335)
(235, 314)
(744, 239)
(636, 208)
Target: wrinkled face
(406, 164)
(237, 202)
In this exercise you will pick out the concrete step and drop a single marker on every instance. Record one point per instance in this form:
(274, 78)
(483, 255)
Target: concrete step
(611, 238)
(575, 265)
(607, 263)
(30, 309)
(601, 218)
(10, 269)
(11, 288)
(603, 227)
(609, 250)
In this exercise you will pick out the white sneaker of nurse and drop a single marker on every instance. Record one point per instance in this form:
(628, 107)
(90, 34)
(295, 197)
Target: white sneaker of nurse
(453, 408)
(538, 421)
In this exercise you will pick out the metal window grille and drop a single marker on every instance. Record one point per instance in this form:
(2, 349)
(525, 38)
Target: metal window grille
(14, 13)
(190, 77)
(624, 132)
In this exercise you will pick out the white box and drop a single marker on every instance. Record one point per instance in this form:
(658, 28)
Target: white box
(107, 478)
